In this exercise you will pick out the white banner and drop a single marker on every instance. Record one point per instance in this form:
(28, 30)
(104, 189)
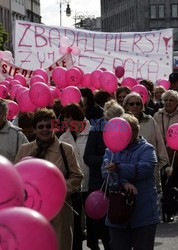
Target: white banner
(147, 55)
(9, 69)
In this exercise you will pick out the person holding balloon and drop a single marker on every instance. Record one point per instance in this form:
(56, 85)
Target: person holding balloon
(11, 137)
(166, 117)
(150, 131)
(131, 154)
(47, 147)
(93, 157)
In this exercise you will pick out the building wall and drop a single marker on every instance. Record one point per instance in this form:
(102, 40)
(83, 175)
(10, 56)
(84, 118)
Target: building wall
(18, 9)
(5, 14)
(139, 15)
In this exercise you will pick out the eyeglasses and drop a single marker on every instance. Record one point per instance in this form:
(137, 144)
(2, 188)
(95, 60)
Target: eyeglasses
(134, 103)
(48, 126)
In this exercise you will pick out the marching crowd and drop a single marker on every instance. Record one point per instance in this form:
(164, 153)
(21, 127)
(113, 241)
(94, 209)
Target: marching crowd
(88, 161)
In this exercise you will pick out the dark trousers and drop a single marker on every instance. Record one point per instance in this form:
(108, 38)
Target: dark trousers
(96, 229)
(77, 235)
(137, 239)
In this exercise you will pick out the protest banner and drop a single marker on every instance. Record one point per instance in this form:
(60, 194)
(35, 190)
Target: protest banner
(9, 69)
(147, 55)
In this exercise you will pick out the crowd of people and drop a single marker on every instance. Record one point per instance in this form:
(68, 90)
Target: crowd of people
(89, 161)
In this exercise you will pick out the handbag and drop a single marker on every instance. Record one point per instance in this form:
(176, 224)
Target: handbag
(121, 204)
(76, 195)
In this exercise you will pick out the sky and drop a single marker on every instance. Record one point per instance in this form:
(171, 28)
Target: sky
(50, 11)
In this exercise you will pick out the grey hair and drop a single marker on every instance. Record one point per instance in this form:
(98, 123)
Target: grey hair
(3, 105)
(126, 99)
(112, 109)
(171, 93)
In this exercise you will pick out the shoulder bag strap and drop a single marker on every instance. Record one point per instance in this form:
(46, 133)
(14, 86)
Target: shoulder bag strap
(65, 161)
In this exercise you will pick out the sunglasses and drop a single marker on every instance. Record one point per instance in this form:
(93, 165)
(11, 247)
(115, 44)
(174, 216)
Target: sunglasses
(134, 103)
(48, 126)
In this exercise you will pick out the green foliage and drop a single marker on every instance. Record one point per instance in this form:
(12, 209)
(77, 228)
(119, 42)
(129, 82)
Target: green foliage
(3, 38)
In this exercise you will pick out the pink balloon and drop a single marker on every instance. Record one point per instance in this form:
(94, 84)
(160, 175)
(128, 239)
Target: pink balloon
(1, 54)
(86, 81)
(73, 77)
(36, 78)
(165, 83)
(81, 71)
(70, 95)
(95, 75)
(42, 73)
(9, 78)
(25, 103)
(119, 71)
(75, 51)
(54, 96)
(103, 69)
(13, 91)
(14, 82)
(11, 186)
(96, 205)
(19, 92)
(13, 110)
(3, 91)
(108, 82)
(117, 134)
(129, 82)
(58, 76)
(40, 94)
(172, 136)
(6, 83)
(63, 50)
(44, 184)
(64, 41)
(21, 79)
(24, 229)
(142, 91)
(7, 55)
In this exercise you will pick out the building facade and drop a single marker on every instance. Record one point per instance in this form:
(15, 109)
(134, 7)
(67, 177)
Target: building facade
(5, 14)
(11, 10)
(139, 15)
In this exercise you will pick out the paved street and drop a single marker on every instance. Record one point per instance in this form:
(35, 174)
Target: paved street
(166, 237)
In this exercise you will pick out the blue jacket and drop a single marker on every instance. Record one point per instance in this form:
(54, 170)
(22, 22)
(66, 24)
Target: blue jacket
(140, 155)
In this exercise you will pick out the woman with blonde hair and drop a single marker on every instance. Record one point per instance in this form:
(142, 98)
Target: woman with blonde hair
(93, 157)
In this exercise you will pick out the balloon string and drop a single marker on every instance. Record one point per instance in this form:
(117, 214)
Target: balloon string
(71, 208)
(102, 185)
(172, 163)
(107, 180)
(173, 158)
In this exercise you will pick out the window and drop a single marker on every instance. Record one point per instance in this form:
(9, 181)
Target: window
(153, 11)
(161, 11)
(174, 8)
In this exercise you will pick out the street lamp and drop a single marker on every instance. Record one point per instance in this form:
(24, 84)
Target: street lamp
(68, 9)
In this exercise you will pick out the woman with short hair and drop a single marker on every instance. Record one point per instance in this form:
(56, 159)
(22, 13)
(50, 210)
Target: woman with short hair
(138, 157)
(47, 147)
(149, 129)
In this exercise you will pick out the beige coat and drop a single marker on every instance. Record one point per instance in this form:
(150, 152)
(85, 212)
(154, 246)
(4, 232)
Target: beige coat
(165, 119)
(63, 222)
(149, 129)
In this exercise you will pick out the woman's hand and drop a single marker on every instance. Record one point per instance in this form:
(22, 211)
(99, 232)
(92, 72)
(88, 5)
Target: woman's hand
(130, 188)
(111, 167)
(169, 171)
